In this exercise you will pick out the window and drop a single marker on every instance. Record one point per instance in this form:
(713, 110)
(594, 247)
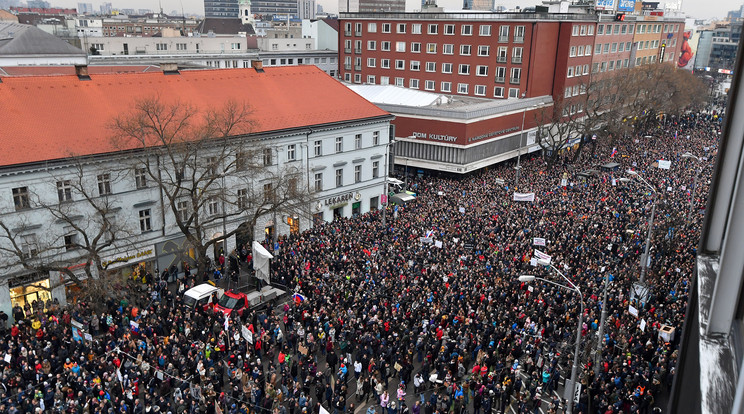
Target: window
(464, 69)
(429, 85)
(448, 49)
(519, 34)
(384, 80)
(145, 221)
(516, 75)
(211, 166)
(567, 92)
(583, 30)
(480, 90)
(291, 152)
(358, 141)
(503, 33)
(339, 144)
(400, 64)
(498, 92)
(481, 70)
(595, 67)
(399, 82)
(401, 27)
(386, 28)
(415, 47)
(161, 46)
(235, 46)
(371, 79)
(514, 92)
(358, 173)
(575, 31)
(500, 74)
(242, 199)
(517, 55)
(385, 63)
(621, 47)
(431, 66)
(501, 54)
(385, 46)
(570, 72)
(446, 68)
(400, 46)
(613, 48)
(64, 191)
(484, 50)
(182, 46)
(449, 29)
(267, 157)
(465, 50)
(371, 45)
(375, 169)
(372, 27)
(580, 51)
(466, 29)
(268, 193)
(413, 83)
(318, 148)
(376, 138)
(433, 29)
(585, 69)
(415, 65)
(182, 211)
(140, 177)
(590, 31)
(416, 28)
(597, 49)
(462, 88)
(371, 62)
(339, 177)
(29, 246)
(484, 30)
(606, 48)
(431, 48)
(358, 29)
(104, 184)
(446, 87)
(318, 182)
(572, 52)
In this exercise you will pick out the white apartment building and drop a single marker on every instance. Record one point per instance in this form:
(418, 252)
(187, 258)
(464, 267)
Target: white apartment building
(334, 146)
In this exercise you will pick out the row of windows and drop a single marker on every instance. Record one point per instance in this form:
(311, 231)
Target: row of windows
(104, 184)
(575, 51)
(432, 48)
(430, 85)
(339, 176)
(433, 29)
(446, 68)
(609, 66)
(577, 71)
(600, 48)
(615, 29)
(583, 30)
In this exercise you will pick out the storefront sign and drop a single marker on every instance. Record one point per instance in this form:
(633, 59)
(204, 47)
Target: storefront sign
(340, 199)
(435, 137)
(125, 258)
(27, 279)
(493, 134)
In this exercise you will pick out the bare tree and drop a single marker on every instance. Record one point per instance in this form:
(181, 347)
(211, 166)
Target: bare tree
(207, 168)
(556, 126)
(89, 224)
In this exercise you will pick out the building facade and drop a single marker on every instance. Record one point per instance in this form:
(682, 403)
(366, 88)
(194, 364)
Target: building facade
(333, 147)
(221, 8)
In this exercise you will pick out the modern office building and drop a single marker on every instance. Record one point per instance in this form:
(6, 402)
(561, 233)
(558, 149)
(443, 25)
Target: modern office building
(334, 146)
(221, 8)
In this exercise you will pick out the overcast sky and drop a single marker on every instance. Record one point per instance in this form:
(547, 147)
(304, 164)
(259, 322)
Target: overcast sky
(701, 9)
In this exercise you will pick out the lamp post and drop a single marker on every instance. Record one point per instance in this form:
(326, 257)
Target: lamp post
(644, 261)
(385, 185)
(570, 387)
(519, 149)
(689, 155)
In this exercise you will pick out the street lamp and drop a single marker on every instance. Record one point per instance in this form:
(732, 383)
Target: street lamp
(689, 155)
(519, 149)
(570, 387)
(387, 173)
(644, 261)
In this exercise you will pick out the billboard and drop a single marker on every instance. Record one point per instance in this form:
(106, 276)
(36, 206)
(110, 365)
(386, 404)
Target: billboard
(686, 60)
(605, 5)
(626, 5)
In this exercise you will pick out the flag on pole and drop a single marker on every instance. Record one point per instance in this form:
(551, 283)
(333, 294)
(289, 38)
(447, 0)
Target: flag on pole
(614, 151)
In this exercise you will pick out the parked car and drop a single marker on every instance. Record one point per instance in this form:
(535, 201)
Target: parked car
(201, 296)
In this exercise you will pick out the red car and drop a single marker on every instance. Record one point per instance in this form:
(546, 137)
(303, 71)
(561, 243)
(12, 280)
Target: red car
(232, 302)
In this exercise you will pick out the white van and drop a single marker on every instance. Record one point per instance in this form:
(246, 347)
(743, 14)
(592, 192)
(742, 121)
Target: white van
(201, 296)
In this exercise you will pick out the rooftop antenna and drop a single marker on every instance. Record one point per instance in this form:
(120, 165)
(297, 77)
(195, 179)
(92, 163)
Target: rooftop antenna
(160, 3)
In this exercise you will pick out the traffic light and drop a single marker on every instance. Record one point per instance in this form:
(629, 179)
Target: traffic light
(620, 17)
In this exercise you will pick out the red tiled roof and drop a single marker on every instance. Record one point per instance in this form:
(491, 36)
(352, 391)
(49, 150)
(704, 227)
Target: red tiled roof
(53, 117)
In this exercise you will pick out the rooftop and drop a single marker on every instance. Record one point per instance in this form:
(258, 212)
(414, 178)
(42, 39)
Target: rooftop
(22, 39)
(48, 118)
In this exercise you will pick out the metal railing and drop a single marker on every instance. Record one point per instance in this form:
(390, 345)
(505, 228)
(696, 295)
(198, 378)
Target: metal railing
(516, 59)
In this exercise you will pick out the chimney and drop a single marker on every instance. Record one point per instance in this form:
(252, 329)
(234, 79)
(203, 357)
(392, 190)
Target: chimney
(170, 68)
(82, 72)
(257, 65)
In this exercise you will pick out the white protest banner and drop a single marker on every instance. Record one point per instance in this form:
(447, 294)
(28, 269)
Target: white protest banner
(633, 311)
(541, 255)
(438, 243)
(538, 241)
(564, 182)
(533, 262)
(8, 358)
(643, 325)
(530, 288)
(118, 375)
(247, 334)
(323, 410)
(524, 197)
(462, 209)
(665, 164)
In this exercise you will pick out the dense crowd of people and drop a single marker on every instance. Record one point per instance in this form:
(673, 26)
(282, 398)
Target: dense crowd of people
(424, 313)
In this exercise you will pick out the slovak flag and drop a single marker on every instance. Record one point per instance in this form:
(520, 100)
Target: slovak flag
(298, 298)
(614, 151)
(429, 233)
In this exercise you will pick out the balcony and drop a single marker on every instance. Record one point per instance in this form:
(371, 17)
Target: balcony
(503, 39)
(347, 50)
(501, 59)
(499, 79)
(514, 81)
(358, 51)
(516, 59)
(358, 68)
(347, 66)
(358, 34)
(518, 39)
(347, 33)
